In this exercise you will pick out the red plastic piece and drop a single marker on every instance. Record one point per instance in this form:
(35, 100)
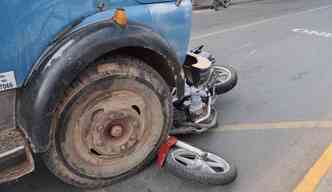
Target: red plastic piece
(164, 149)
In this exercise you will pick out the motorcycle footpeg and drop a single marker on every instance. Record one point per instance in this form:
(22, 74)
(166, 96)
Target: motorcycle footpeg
(195, 128)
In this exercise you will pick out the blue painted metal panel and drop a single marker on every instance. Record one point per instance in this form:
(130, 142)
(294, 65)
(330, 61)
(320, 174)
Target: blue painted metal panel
(174, 24)
(167, 19)
(29, 26)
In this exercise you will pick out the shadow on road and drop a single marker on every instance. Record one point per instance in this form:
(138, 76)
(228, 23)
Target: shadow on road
(149, 180)
(41, 180)
(244, 2)
(198, 5)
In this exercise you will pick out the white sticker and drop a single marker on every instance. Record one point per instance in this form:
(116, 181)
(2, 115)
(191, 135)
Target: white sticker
(7, 81)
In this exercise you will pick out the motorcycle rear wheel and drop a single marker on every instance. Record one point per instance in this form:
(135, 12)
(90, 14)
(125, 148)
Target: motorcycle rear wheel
(225, 79)
(226, 3)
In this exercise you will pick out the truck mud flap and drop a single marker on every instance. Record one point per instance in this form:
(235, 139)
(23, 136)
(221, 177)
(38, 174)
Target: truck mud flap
(15, 155)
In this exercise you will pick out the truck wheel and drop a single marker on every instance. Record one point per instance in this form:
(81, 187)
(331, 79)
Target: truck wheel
(110, 123)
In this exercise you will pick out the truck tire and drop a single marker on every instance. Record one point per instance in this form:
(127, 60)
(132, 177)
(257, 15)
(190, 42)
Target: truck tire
(110, 123)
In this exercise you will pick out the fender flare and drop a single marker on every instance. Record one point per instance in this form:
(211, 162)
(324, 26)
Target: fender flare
(67, 57)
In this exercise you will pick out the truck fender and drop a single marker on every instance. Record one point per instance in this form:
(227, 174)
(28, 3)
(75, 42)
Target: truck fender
(71, 54)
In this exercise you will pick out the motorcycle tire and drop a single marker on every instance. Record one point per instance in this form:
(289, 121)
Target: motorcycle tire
(226, 3)
(228, 84)
(219, 172)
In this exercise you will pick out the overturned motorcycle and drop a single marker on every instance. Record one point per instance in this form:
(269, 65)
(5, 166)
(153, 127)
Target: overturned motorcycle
(195, 114)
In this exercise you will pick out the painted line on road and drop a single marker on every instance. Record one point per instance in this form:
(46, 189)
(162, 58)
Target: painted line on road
(321, 167)
(258, 22)
(313, 32)
(312, 179)
(274, 125)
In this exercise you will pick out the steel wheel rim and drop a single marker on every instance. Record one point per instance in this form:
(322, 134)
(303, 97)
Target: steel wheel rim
(99, 162)
(211, 164)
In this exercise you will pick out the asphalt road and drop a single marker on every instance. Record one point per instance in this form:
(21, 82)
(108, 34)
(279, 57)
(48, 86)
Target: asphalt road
(271, 123)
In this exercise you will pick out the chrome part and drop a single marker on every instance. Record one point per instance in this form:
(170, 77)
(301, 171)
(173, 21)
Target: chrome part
(219, 75)
(190, 127)
(188, 147)
(205, 163)
(205, 117)
(196, 107)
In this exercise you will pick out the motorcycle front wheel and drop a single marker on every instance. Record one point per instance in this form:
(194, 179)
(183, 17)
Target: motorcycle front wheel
(210, 169)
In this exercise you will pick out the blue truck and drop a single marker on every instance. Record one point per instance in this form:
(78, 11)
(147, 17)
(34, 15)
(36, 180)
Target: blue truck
(87, 84)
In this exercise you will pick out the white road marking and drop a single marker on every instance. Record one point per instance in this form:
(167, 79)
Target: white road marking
(202, 11)
(247, 45)
(252, 52)
(258, 22)
(312, 32)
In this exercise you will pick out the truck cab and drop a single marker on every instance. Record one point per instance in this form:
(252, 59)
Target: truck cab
(87, 85)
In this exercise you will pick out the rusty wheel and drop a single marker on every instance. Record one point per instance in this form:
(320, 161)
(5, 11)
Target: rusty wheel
(110, 123)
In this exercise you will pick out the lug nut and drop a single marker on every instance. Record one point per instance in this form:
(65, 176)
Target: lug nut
(133, 137)
(122, 147)
(100, 128)
(131, 143)
(99, 142)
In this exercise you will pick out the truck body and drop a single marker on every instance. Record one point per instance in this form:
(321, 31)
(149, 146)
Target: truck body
(45, 45)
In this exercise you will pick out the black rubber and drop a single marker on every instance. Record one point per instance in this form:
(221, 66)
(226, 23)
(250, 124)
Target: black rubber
(121, 66)
(230, 84)
(199, 177)
(226, 3)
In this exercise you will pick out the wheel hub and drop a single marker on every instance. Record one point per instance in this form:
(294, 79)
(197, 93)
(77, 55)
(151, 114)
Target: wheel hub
(113, 128)
(114, 133)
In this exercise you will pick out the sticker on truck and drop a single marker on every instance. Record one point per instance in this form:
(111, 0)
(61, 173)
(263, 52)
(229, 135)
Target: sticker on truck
(7, 81)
